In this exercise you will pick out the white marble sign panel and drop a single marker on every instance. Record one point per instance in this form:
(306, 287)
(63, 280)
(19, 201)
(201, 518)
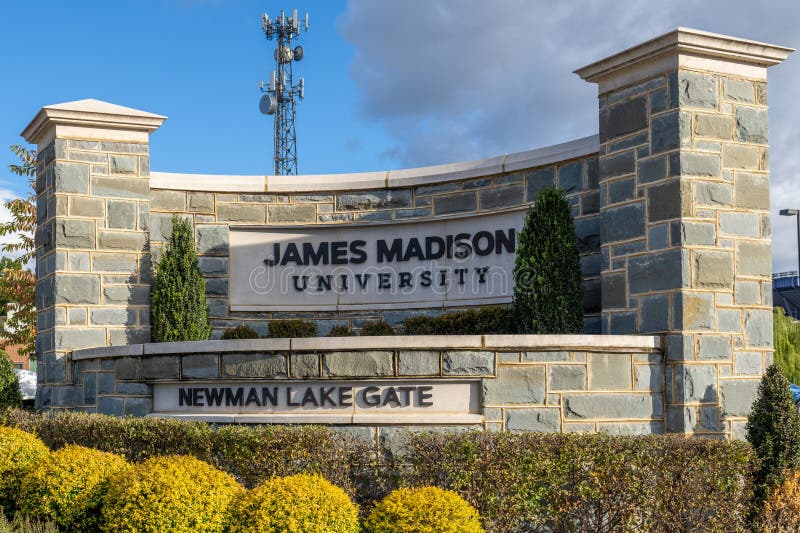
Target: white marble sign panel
(439, 263)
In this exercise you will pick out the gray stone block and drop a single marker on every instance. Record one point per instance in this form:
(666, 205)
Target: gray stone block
(658, 271)
(77, 289)
(121, 214)
(667, 201)
(292, 213)
(455, 203)
(115, 262)
(75, 234)
(305, 365)
(620, 120)
(345, 364)
(655, 313)
(122, 164)
(695, 383)
(623, 223)
(122, 240)
(621, 190)
(436, 189)
(588, 232)
(545, 357)
(468, 363)
(167, 200)
(710, 193)
(110, 406)
(652, 169)
(377, 199)
(113, 316)
(570, 177)
(71, 177)
(138, 406)
(418, 363)
(257, 214)
(516, 385)
(105, 383)
(714, 347)
(753, 259)
(200, 366)
(590, 203)
(217, 286)
(537, 419)
(212, 239)
(733, 224)
(748, 363)
(256, 198)
(758, 327)
(86, 207)
(202, 202)
(134, 389)
(699, 164)
(612, 406)
(501, 197)
(695, 90)
(119, 187)
(613, 292)
(213, 266)
(748, 293)
(160, 367)
(648, 377)
(413, 213)
(738, 90)
(665, 132)
(740, 156)
(126, 294)
(697, 233)
(713, 269)
(693, 311)
(384, 215)
(738, 396)
(618, 165)
(537, 181)
(254, 365)
(752, 191)
(567, 377)
(609, 371)
(682, 419)
(76, 338)
(751, 125)
(76, 316)
(709, 419)
(729, 320)
(590, 265)
(713, 125)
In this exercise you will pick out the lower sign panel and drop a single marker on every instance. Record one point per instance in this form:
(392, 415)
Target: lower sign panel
(322, 402)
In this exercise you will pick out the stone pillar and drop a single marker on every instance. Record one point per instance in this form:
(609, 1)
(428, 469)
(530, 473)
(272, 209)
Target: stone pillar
(92, 250)
(684, 188)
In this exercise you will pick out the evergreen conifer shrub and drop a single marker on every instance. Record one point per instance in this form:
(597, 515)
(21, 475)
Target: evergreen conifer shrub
(773, 429)
(547, 271)
(10, 394)
(179, 308)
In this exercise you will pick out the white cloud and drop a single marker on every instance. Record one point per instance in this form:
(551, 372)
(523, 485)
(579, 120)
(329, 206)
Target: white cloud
(462, 79)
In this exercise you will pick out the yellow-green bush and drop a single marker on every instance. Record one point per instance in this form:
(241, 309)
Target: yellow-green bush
(19, 452)
(782, 508)
(179, 494)
(68, 487)
(301, 503)
(423, 510)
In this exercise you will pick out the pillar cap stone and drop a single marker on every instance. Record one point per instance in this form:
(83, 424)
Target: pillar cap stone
(684, 48)
(91, 118)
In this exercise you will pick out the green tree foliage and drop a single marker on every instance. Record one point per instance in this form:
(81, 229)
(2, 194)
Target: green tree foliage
(786, 333)
(547, 273)
(179, 308)
(773, 429)
(10, 395)
(17, 282)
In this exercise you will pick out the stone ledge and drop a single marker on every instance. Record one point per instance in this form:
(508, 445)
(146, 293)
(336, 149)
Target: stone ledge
(332, 418)
(602, 343)
(379, 179)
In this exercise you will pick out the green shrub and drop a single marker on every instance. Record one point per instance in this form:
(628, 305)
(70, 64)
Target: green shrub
(377, 329)
(179, 310)
(786, 334)
(20, 451)
(567, 482)
(22, 524)
(773, 429)
(483, 321)
(341, 331)
(68, 487)
(547, 271)
(423, 510)
(296, 504)
(10, 394)
(240, 332)
(172, 493)
(292, 329)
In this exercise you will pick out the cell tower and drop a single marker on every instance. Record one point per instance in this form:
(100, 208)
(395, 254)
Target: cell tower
(279, 95)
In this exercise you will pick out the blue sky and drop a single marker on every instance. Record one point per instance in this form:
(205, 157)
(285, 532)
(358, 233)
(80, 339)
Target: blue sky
(390, 84)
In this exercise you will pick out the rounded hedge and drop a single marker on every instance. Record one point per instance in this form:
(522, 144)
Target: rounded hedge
(423, 510)
(68, 487)
(302, 503)
(782, 508)
(19, 453)
(175, 493)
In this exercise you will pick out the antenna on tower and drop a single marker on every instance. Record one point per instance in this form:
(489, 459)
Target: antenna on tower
(279, 94)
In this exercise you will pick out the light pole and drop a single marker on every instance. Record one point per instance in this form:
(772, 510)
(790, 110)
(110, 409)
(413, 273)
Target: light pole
(794, 213)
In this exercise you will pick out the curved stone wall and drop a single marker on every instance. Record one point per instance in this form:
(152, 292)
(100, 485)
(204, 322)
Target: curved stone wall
(505, 183)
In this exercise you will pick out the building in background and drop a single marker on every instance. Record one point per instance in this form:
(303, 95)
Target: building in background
(786, 293)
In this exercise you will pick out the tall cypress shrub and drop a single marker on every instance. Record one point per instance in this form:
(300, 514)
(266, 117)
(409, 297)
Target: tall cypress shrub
(179, 310)
(773, 429)
(10, 395)
(547, 272)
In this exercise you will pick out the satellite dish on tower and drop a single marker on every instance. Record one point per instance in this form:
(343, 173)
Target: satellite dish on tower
(268, 105)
